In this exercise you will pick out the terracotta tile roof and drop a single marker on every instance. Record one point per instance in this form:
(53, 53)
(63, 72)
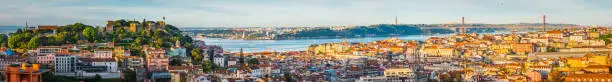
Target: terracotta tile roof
(554, 31)
(581, 59)
(52, 27)
(589, 76)
(598, 66)
(184, 67)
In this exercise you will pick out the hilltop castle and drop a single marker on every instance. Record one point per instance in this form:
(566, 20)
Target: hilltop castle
(135, 26)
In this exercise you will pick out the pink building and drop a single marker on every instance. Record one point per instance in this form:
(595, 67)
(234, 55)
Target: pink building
(45, 59)
(46, 54)
(8, 60)
(156, 60)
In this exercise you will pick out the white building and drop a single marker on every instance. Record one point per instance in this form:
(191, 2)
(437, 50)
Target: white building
(219, 60)
(103, 53)
(178, 50)
(201, 78)
(540, 40)
(399, 72)
(266, 70)
(65, 63)
(46, 50)
(109, 63)
(232, 61)
(384, 79)
(256, 72)
(576, 38)
(134, 62)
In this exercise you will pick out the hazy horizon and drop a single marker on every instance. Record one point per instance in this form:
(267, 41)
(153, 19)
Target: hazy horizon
(20, 26)
(282, 13)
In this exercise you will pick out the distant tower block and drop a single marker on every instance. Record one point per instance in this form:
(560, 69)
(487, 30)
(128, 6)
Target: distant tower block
(543, 22)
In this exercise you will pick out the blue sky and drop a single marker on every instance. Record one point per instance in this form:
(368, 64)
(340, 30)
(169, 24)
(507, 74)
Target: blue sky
(270, 13)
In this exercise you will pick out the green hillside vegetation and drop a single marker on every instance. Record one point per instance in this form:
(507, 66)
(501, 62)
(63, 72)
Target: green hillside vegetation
(372, 30)
(79, 33)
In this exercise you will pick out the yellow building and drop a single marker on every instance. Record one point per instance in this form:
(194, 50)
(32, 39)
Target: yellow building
(399, 72)
(133, 27)
(396, 49)
(558, 45)
(577, 62)
(571, 44)
(597, 60)
(593, 34)
(438, 52)
(597, 68)
(500, 48)
(512, 38)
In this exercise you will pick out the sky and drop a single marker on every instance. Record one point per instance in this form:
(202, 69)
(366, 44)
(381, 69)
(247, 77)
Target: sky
(304, 13)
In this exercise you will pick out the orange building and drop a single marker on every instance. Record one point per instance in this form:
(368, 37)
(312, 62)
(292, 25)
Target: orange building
(520, 48)
(589, 77)
(554, 34)
(24, 73)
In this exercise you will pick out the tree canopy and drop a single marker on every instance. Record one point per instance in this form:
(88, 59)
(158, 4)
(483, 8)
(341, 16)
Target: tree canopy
(73, 33)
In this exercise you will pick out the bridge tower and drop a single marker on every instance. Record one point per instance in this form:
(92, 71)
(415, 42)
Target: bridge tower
(544, 23)
(463, 25)
(396, 20)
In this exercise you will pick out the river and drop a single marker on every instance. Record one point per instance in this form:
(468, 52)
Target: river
(297, 45)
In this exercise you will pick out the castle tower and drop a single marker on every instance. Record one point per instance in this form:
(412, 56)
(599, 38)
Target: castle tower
(163, 22)
(109, 26)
